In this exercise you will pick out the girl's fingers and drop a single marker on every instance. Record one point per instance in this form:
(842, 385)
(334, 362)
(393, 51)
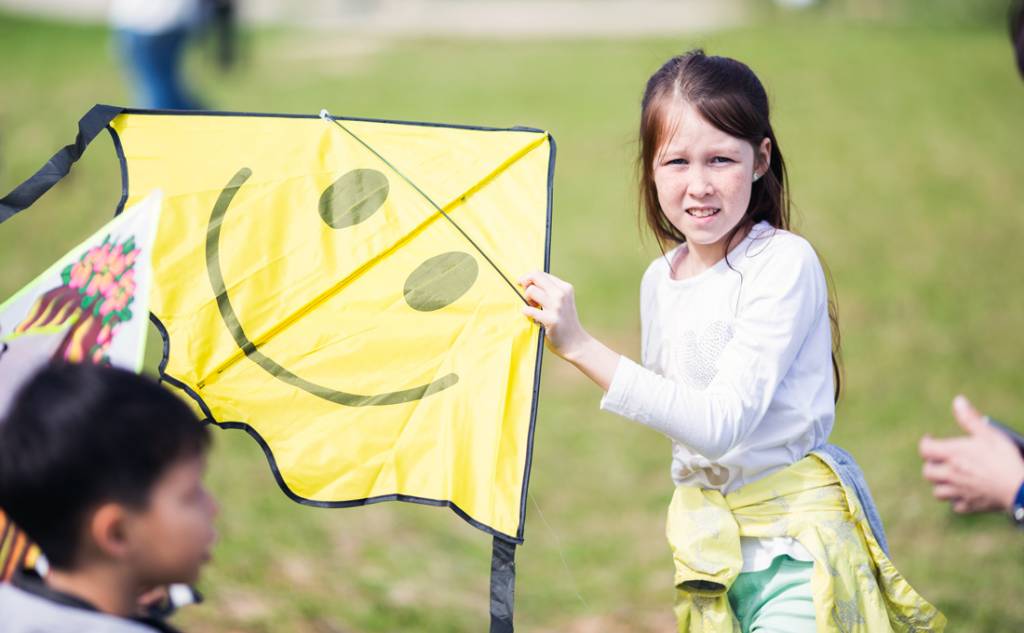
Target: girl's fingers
(945, 492)
(540, 278)
(538, 315)
(530, 278)
(536, 295)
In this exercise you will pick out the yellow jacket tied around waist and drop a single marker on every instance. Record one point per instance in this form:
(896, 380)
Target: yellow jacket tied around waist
(855, 586)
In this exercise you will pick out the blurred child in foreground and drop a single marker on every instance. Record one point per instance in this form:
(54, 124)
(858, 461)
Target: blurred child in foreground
(103, 469)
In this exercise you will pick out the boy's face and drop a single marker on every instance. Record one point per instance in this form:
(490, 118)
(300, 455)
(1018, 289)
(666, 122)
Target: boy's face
(171, 539)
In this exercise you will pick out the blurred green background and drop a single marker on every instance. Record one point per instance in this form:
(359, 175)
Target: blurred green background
(902, 127)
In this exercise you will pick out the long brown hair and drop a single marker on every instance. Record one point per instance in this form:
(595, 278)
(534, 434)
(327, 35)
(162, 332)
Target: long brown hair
(730, 97)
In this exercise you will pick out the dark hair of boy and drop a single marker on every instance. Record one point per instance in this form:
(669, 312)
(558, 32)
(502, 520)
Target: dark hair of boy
(77, 436)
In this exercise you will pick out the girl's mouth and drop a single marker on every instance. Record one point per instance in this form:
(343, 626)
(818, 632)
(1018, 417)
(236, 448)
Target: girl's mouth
(702, 212)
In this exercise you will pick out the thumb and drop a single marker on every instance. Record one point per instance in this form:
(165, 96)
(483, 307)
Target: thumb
(969, 418)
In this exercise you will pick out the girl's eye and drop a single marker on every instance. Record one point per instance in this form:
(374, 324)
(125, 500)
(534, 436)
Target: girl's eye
(721, 159)
(676, 161)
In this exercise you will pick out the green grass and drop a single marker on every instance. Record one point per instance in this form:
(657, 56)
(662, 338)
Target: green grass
(904, 149)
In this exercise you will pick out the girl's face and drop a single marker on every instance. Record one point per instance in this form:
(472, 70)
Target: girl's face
(704, 177)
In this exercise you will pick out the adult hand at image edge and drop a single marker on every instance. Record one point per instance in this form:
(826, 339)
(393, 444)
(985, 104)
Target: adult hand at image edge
(980, 471)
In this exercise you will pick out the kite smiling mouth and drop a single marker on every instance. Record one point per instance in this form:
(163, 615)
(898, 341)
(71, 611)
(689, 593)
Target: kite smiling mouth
(231, 321)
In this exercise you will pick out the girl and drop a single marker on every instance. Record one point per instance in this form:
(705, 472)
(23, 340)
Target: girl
(738, 369)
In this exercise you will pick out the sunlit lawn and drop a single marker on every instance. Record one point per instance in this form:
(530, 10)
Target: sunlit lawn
(905, 154)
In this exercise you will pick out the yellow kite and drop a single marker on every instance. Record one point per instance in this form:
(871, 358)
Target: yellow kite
(343, 290)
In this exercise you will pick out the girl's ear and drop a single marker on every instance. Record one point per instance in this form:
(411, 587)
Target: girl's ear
(764, 156)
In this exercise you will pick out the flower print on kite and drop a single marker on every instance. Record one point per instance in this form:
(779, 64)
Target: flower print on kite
(90, 306)
(94, 299)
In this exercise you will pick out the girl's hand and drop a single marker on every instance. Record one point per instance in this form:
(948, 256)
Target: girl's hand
(553, 305)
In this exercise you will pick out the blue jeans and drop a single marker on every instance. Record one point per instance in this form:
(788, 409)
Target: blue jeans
(851, 474)
(154, 61)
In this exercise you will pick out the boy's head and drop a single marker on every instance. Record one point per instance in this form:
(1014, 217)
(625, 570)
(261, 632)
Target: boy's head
(102, 465)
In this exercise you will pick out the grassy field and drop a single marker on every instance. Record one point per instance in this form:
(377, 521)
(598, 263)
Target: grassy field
(904, 146)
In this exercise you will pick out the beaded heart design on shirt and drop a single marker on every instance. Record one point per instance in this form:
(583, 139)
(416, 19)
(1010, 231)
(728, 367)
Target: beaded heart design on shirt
(696, 358)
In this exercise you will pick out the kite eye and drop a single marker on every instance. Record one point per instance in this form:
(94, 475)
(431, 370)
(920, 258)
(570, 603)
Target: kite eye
(440, 280)
(353, 198)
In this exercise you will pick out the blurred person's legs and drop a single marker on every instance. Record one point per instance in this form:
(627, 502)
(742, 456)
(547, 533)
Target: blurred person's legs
(154, 62)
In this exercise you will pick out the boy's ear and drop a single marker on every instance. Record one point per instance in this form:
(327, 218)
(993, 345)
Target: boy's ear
(107, 530)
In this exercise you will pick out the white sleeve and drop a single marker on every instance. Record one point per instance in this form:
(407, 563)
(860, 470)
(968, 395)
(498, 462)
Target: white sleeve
(780, 302)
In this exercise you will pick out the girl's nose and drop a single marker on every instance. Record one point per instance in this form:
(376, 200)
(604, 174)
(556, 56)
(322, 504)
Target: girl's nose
(700, 185)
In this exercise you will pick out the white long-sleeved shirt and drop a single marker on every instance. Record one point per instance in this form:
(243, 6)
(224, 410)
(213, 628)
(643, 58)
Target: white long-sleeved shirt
(737, 367)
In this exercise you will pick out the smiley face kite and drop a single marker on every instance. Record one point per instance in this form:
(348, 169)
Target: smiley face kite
(340, 289)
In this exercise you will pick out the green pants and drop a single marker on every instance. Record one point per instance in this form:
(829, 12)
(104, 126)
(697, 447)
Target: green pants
(775, 600)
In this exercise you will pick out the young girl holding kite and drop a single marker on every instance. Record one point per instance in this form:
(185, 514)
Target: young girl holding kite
(767, 526)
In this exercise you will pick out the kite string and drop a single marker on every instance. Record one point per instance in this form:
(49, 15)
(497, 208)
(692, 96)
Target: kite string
(561, 553)
(327, 116)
